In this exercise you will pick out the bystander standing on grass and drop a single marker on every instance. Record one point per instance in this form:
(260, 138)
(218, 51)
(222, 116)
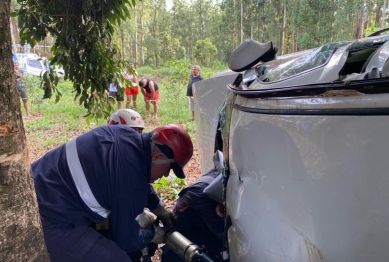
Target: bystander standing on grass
(194, 77)
(20, 78)
(113, 93)
(150, 92)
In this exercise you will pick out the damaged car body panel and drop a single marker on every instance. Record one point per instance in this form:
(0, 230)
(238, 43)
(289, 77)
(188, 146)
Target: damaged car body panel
(299, 179)
(210, 95)
(305, 152)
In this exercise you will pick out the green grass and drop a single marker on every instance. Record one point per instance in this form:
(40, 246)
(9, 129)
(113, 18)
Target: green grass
(169, 188)
(54, 124)
(67, 118)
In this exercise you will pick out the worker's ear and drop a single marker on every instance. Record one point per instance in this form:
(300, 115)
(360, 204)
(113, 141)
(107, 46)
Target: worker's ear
(156, 154)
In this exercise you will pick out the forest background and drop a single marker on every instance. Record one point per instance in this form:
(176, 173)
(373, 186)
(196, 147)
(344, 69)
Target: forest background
(205, 32)
(156, 38)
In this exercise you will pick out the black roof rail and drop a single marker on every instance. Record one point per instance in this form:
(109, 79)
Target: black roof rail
(378, 32)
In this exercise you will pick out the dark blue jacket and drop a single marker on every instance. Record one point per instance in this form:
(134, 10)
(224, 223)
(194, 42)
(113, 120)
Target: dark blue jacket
(203, 205)
(116, 161)
(193, 79)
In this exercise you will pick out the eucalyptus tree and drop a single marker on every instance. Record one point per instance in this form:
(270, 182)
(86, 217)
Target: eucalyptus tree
(182, 25)
(152, 39)
(203, 14)
(230, 22)
(168, 44)
(83, 46)
(142, 12)
(204, 50)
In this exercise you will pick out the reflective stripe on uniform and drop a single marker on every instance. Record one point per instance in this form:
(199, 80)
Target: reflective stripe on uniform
(79, 179)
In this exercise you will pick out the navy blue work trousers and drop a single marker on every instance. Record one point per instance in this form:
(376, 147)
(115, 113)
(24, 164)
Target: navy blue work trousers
(68, 243)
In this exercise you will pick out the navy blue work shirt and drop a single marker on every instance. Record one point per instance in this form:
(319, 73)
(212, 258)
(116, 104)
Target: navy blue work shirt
(116, 161)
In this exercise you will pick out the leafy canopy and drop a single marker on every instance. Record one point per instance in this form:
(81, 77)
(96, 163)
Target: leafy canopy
(83, 31)
(204, 50)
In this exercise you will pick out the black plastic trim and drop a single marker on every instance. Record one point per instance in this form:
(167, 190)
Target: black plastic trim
(340, 111)
(368, 86)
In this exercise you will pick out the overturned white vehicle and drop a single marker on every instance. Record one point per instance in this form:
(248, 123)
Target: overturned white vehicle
(306, 147)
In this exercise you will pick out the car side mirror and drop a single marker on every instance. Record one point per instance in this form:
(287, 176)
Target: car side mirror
(249, 53)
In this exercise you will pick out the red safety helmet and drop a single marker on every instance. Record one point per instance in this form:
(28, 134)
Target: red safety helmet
(179, 141)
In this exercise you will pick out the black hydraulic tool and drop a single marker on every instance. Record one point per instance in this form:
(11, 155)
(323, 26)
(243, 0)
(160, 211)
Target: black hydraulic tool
(186, 249)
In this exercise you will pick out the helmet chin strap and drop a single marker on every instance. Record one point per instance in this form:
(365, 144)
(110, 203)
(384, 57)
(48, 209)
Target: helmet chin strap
(152, 146)
(152, 142)
(158, 162)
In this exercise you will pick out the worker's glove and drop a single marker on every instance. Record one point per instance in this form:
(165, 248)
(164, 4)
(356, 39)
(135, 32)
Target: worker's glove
(165, 216)
(146, 218)
(159, 235)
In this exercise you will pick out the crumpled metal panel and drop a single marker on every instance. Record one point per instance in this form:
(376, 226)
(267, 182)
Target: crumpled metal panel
(209, 96)
(308, 188)
(379, 59)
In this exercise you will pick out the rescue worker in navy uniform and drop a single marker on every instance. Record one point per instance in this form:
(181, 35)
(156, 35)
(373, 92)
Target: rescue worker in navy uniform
(199, 215)
(106, 172)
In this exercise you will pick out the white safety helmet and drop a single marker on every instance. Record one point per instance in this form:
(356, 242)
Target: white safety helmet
(127, 117)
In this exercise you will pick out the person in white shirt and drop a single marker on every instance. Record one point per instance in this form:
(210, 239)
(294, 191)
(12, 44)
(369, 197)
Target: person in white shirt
(113, 93)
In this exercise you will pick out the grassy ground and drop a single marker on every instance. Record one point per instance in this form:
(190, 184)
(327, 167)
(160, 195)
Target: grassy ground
(54, 124)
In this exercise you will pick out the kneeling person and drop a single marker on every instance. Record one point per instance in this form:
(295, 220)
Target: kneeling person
(199, 217)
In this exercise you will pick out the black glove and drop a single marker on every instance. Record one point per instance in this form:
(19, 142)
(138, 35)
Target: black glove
(165, 216)
(159, 235)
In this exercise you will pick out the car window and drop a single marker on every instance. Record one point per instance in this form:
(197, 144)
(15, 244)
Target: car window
(34, 63)
(315, 58)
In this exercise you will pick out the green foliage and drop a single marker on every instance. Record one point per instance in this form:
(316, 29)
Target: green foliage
(204, 50)
(370, 30)
(83, 31)
(175, 90)
(217, 65)
(168, 188)
(34, 90)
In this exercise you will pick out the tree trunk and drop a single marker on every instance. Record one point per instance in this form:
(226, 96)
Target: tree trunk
(383, 18)
(122, 39)
(295, 44)
(234, 33)
(20, 228)
(136, 39)
(283, 29)
(142, 35)
(14, 33)
(241, 21)
(358, 24)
